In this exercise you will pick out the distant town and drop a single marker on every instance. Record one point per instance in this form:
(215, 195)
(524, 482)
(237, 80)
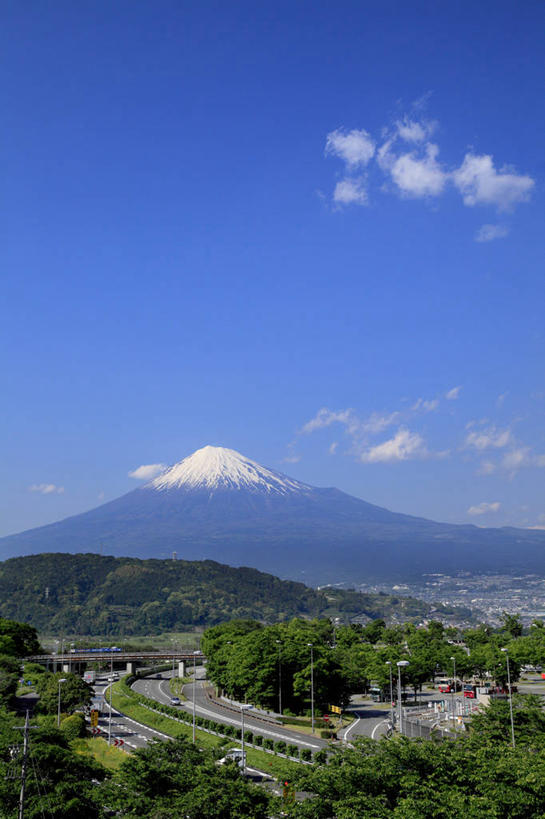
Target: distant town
(488, 596)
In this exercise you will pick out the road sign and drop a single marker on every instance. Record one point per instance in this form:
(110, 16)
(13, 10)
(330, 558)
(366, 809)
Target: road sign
(335, 709)
(95, 731)
(118, 742)
(326, 718)
(94, 718)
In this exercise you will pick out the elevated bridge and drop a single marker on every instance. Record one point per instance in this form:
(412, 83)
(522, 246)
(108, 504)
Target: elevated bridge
(116, 658)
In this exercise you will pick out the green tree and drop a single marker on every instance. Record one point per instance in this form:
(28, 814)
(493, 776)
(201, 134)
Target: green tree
(74, 693)
(177, 779)
(60, 783)
(24, 639)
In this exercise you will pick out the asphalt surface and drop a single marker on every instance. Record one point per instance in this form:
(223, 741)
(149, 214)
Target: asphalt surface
(204, 707)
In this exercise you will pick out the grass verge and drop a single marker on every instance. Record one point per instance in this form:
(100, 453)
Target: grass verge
(97, 747)
(274, 765)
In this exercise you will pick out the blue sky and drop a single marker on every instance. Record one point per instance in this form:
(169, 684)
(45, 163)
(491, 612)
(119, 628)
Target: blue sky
(309, 232)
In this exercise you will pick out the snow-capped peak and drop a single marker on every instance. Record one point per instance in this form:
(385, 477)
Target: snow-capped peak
(214, 467)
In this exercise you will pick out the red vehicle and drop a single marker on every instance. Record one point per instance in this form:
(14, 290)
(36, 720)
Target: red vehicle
(448, 686)
(470, 691)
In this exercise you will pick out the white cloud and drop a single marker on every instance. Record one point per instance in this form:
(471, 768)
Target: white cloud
(481, 184)
(325, 417)
(355, 147)
(403, 446)
(453, 394)
(291, 459)
(484, 508)
(46, 489)
(147, 471)
(412, 131)
(486, 468)
(417, 173)
(333, 447)
(355, 426)
(350, 191)
(516, 458)
(489, 438)
(377, 422)
(487, 233)
(421, 405)
(419, 176)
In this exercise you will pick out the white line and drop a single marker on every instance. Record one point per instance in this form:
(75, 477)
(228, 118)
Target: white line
(350, 728)
(377, 726)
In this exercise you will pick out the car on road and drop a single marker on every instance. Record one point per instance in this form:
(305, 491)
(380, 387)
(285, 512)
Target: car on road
(175, 701)
(233, 755)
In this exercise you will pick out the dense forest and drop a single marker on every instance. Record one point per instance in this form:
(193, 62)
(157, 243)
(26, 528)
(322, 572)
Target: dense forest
(92, 594)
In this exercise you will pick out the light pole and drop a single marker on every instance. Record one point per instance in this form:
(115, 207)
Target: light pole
(310, 645)
(279, 643)
(400, 664)
(61, 681)
(243, 708)
(389, 664)
(110, 713)
(453, 689)
(194, 687)
(510, 697)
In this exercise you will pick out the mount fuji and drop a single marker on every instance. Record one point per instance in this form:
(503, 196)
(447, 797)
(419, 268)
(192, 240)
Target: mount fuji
(217, 504)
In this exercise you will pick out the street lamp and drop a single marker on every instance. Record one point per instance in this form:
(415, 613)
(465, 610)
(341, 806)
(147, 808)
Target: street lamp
(510, 697)
(243, 708)
(61, 681)
(310, 645)
(389, 664)
(111, 681)
(279, 643)
(453, 686)
(194, 687)
(400, 664)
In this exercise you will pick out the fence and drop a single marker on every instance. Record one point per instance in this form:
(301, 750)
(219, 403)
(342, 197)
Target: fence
(433, 723)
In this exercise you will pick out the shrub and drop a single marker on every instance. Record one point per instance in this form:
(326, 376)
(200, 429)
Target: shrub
(248, 737)
(292, 750)
(328, 734)
(268, 744)
(306, 755)
(320, 757)
(73, 727)
(258, 739)
(280, 747)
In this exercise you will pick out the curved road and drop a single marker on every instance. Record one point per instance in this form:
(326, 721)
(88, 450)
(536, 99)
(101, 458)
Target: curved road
(158, 689)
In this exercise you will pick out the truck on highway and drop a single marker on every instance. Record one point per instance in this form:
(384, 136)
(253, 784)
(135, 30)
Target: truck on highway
(89, 677)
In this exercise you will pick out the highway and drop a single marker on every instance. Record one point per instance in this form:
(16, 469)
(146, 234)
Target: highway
(135, 735)
(158, 689)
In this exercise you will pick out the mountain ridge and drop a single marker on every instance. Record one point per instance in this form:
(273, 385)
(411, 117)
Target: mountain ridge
(231, 515)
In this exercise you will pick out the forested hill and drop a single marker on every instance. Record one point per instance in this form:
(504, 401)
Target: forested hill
(92, 594)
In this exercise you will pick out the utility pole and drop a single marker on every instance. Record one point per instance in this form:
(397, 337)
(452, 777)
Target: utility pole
(26, 729)
(279, 642)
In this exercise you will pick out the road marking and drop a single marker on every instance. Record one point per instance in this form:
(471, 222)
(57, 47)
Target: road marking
(377, 726)
(351, 728)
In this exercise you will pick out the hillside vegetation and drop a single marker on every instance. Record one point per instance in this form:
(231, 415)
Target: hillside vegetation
(90, 594)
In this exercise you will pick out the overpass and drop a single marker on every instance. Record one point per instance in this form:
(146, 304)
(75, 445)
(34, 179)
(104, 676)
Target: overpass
(128, 658)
